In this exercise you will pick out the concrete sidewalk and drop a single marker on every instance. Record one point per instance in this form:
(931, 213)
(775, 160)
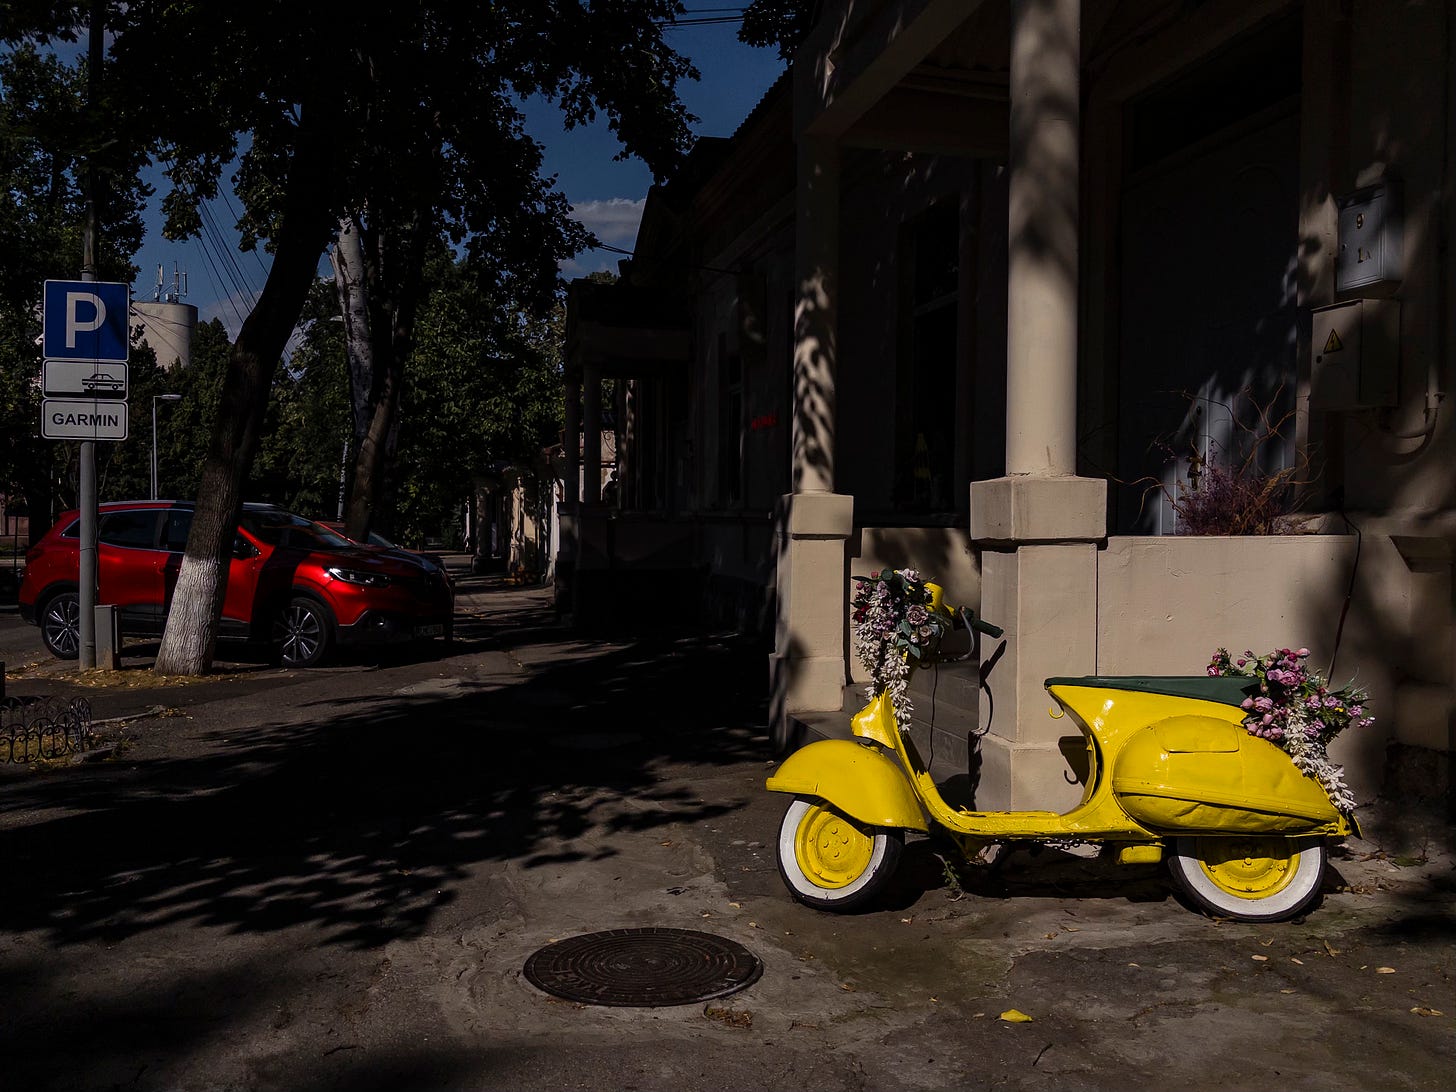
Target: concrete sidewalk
(331, 880)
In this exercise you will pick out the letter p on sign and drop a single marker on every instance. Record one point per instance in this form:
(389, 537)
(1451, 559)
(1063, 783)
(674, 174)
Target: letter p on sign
(86, 320)
(76, 304)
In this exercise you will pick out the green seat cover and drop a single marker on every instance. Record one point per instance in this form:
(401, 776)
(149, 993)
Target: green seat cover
(1224, 689)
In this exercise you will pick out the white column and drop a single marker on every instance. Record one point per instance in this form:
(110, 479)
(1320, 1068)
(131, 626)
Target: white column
(1038, 527)
(816, 271)
(807, 668)
(1041, 342)
(571, 440)
(591, 456)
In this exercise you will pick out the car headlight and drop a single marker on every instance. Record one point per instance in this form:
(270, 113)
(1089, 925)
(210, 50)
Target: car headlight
(359, 576)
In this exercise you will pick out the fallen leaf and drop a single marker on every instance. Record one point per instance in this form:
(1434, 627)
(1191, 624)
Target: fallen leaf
(1421, 1010)
(1331, 951)
(1385, 970)
(1286, 991)
(1071, 928)
(1266, 943)
(907, 921)
(1262, 958)
(1051, 936)
(978, 1016)
(734, 1018)
(1292, 959)
(753, 925)
(664, 843)
(846, 987)
(1015, 1016)
(736, 905)
(1134, 964)
(935, 999)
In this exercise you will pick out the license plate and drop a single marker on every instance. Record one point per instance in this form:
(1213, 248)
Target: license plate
(429, 631)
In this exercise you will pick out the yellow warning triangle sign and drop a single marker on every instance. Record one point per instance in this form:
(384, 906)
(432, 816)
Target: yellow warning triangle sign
(1333, 344)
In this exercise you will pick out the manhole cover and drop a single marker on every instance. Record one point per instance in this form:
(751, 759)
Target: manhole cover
(643, 968)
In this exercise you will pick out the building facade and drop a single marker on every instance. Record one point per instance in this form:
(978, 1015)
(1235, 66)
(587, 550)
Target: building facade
(1047, 299)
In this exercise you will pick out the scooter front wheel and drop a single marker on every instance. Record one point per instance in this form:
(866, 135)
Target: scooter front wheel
(831, 861)
(1256, 878)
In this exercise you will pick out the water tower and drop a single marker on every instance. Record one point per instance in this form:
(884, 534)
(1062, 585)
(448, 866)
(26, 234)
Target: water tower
(167, 323)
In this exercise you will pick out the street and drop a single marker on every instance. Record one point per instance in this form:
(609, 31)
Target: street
(331, 879)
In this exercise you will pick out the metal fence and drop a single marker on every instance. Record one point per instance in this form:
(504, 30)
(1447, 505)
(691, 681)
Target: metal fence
(39, 729)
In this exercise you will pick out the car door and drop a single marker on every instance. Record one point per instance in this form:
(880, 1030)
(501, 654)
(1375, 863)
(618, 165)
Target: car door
(129, 567)
(242, 581)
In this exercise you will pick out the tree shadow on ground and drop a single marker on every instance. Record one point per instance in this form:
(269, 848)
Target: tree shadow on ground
(362, 822)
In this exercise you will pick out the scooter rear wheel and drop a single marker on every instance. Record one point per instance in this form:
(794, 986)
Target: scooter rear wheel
(1255, 878)
(832, 862)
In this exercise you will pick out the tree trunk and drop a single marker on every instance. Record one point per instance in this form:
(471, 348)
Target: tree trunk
(393, 257)
(350, 281)
(370, 454)
(191, 632)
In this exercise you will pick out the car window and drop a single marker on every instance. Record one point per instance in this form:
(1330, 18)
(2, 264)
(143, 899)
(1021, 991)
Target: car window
(286, 529)
(137, 529)
(174, 536)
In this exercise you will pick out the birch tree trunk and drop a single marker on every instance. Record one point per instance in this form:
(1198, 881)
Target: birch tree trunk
(350, 280)
(393, 268)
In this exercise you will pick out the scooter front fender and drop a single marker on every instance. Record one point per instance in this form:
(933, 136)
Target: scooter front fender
(863, 782)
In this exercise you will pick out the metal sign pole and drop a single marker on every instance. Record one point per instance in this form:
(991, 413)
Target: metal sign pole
(86, 593)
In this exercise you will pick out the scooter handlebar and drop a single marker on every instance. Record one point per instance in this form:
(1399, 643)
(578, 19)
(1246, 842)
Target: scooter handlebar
(980, 625)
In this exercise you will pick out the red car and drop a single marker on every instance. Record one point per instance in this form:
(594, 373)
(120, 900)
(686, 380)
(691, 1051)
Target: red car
(292, 583)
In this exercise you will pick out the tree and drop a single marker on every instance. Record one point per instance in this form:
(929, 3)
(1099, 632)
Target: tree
(782, 24)
(484, 389)
(315, 114)
(48, 133)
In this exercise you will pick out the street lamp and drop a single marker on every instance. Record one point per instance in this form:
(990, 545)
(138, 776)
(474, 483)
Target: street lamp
(155, 399)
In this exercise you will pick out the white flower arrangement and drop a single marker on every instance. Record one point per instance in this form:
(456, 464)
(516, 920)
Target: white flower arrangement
(896, 625)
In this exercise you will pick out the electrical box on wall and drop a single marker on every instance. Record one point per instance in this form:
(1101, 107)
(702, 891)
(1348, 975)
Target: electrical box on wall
(1370, 254)
(1354, 355)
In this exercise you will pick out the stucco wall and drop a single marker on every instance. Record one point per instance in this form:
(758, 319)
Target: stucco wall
(1165, 604)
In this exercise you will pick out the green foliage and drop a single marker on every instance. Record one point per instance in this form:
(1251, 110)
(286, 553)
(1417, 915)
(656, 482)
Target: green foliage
(782, 24)
(46, 133)
(484, 390)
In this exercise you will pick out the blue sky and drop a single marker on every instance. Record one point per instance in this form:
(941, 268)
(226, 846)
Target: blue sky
(605, 194)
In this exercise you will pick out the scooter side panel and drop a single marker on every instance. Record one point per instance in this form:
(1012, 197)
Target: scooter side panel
(1196, 773)
(860, 781)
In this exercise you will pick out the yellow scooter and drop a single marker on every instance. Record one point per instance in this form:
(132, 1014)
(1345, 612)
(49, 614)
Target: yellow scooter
(1172, 774)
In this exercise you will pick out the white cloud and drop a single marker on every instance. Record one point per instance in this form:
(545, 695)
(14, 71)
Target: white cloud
(613, 221)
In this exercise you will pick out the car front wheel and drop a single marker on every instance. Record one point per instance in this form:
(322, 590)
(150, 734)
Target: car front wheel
(303, 633)
(60, 625)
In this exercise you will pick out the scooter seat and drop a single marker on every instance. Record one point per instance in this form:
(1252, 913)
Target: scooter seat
(1224, 689)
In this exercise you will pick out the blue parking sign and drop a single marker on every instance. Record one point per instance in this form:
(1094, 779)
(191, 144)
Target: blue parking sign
(87, 320)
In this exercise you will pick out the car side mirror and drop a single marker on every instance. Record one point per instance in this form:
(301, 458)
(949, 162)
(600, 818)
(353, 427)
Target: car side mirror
(243, 549)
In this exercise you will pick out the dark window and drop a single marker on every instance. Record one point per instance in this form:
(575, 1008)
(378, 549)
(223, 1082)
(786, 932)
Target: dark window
(278, 528)
(1241, 81)
(179, 522)
(730, 429)
(137, 530)
(925, 436)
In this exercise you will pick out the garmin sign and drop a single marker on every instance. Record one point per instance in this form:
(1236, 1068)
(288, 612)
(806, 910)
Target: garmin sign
(83, 419)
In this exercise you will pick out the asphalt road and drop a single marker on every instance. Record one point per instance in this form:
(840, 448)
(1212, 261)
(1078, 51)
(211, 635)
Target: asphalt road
(332, 879)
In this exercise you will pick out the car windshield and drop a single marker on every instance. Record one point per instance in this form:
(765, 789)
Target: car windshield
(286, 529)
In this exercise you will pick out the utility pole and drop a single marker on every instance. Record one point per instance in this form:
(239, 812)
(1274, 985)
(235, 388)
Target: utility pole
(86, 592)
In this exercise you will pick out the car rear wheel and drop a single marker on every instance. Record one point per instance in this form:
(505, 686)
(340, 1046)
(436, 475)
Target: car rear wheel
(303, 633)
(60, 625)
